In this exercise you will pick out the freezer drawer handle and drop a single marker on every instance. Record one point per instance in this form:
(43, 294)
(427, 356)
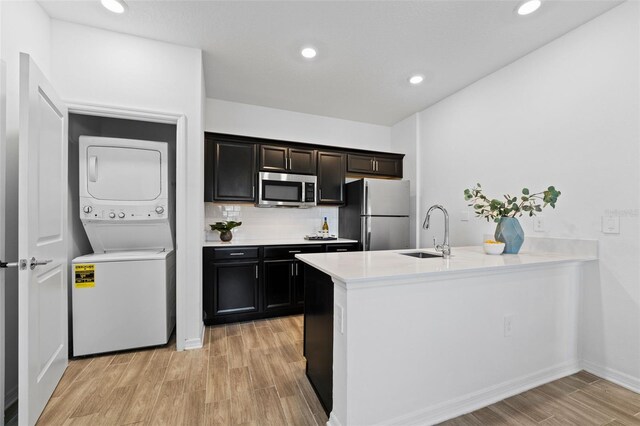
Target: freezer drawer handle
(295, 251)
(341, 250)
(237, 254)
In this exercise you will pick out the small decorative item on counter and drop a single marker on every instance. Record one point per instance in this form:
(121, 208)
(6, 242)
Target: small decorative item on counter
(325, 228)
(504, 212)
(225, 229)
(493, 247)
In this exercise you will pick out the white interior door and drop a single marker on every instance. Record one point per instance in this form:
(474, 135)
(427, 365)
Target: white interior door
(3, 168)
(42, 241)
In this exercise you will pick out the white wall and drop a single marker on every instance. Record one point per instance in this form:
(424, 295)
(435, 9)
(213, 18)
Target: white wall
(258, 121)
(25, 27)
(403, 139)
(565, 115)
(101, 67)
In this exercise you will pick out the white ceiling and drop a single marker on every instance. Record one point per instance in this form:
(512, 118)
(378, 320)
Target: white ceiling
(367, 49)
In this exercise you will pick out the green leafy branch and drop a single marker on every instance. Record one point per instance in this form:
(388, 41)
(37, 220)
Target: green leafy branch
(224, 226)
(494, 209)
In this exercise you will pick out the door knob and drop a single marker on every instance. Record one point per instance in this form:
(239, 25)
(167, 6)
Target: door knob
(33, 263)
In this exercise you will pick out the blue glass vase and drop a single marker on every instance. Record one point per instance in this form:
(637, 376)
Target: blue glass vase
(510, 233)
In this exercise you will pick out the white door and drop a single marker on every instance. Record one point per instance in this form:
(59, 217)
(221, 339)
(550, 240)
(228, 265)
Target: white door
(42, 242)
(3, 121)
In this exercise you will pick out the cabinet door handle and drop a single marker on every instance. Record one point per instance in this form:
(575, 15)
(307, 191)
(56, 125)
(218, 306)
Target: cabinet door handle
(373, 165)
(292, 273)
(256, 272)
(320, 193)
(376, 163)
(296, 269)
(253, 191)
(341, 250)
(295, 251)
(290, 163)
(236, 254)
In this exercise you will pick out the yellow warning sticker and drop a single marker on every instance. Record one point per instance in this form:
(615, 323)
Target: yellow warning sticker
(85, 275)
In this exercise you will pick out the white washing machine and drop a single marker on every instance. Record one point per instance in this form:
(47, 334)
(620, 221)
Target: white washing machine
(123, 300)
(123, 295)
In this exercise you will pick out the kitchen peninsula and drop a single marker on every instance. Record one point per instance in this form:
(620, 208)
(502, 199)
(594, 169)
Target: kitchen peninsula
(395, 339)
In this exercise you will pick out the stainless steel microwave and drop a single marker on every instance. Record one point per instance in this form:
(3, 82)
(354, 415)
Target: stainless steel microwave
(286, 190)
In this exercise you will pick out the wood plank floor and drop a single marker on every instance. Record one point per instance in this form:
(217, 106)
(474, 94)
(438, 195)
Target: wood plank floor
(580, 399)
(253, 374)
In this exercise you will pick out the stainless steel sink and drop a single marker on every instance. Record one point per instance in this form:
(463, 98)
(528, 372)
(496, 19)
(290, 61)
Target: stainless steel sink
(421, 254)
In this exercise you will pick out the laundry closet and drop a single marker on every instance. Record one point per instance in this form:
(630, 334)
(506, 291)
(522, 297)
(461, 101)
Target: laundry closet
(122, 282)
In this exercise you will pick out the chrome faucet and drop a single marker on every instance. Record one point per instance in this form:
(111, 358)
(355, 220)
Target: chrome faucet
(444, 248)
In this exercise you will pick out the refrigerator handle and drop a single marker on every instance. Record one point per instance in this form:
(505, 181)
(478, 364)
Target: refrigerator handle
(367, 235)
(366, 198)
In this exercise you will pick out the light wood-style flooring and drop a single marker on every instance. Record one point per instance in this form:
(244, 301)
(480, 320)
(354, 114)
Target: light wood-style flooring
(253, 374)
(581, 400)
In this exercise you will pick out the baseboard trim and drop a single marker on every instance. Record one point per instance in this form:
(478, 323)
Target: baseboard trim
(479, 399)
(333, 421)
(615, 376)
(196, 343)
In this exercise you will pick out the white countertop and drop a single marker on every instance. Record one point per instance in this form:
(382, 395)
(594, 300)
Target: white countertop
(382, 265)
(273, 242)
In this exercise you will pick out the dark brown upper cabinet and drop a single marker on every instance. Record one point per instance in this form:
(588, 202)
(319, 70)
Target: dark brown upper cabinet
(331, 175)
(230, 170)
(379, 165)
(282, 159)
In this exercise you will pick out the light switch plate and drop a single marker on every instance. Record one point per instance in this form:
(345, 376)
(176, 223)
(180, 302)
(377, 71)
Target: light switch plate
(610, 224)
(538, 224)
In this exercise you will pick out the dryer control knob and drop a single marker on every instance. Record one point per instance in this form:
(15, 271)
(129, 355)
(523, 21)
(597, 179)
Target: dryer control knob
(121, 215)
(112, 215)
(159, 209)
(87, 209)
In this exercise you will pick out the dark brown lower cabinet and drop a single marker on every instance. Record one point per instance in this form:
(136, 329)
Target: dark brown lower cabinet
(236, 287)
(278, 282)
(248, 283)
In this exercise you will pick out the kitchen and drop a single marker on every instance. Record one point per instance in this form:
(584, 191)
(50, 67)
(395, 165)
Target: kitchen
(559, 108)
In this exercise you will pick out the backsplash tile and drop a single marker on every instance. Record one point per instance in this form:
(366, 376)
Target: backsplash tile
(261, 223)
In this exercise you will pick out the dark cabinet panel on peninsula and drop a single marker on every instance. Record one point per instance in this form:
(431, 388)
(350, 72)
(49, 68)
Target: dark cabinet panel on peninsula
(230, 171)
(318, 334)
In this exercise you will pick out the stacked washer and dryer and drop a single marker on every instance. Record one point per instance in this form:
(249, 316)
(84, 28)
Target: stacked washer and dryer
(123, 295)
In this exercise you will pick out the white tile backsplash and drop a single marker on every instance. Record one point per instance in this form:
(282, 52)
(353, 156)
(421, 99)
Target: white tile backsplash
(261, 223)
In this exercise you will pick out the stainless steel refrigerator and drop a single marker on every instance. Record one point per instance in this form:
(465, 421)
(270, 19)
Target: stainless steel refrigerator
(376, 214)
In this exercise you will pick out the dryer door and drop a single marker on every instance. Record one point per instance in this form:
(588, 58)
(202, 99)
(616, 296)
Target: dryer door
(123, 174)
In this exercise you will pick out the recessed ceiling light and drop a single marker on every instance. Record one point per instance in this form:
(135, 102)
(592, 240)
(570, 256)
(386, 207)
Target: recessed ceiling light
(115, 6)
(309, 52)
(529, 6)
(416, 79)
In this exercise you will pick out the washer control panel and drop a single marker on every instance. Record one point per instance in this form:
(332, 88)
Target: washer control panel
(120, 213)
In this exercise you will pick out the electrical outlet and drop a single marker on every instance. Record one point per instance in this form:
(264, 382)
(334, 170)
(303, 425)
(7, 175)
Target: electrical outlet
(339, 318)
(464, 216)
(508, 325)
(610, 224)
(538, 224)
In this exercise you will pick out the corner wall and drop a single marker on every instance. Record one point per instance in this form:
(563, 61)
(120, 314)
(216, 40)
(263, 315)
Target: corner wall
(25, 27)
(565, 115)
(107, 68)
